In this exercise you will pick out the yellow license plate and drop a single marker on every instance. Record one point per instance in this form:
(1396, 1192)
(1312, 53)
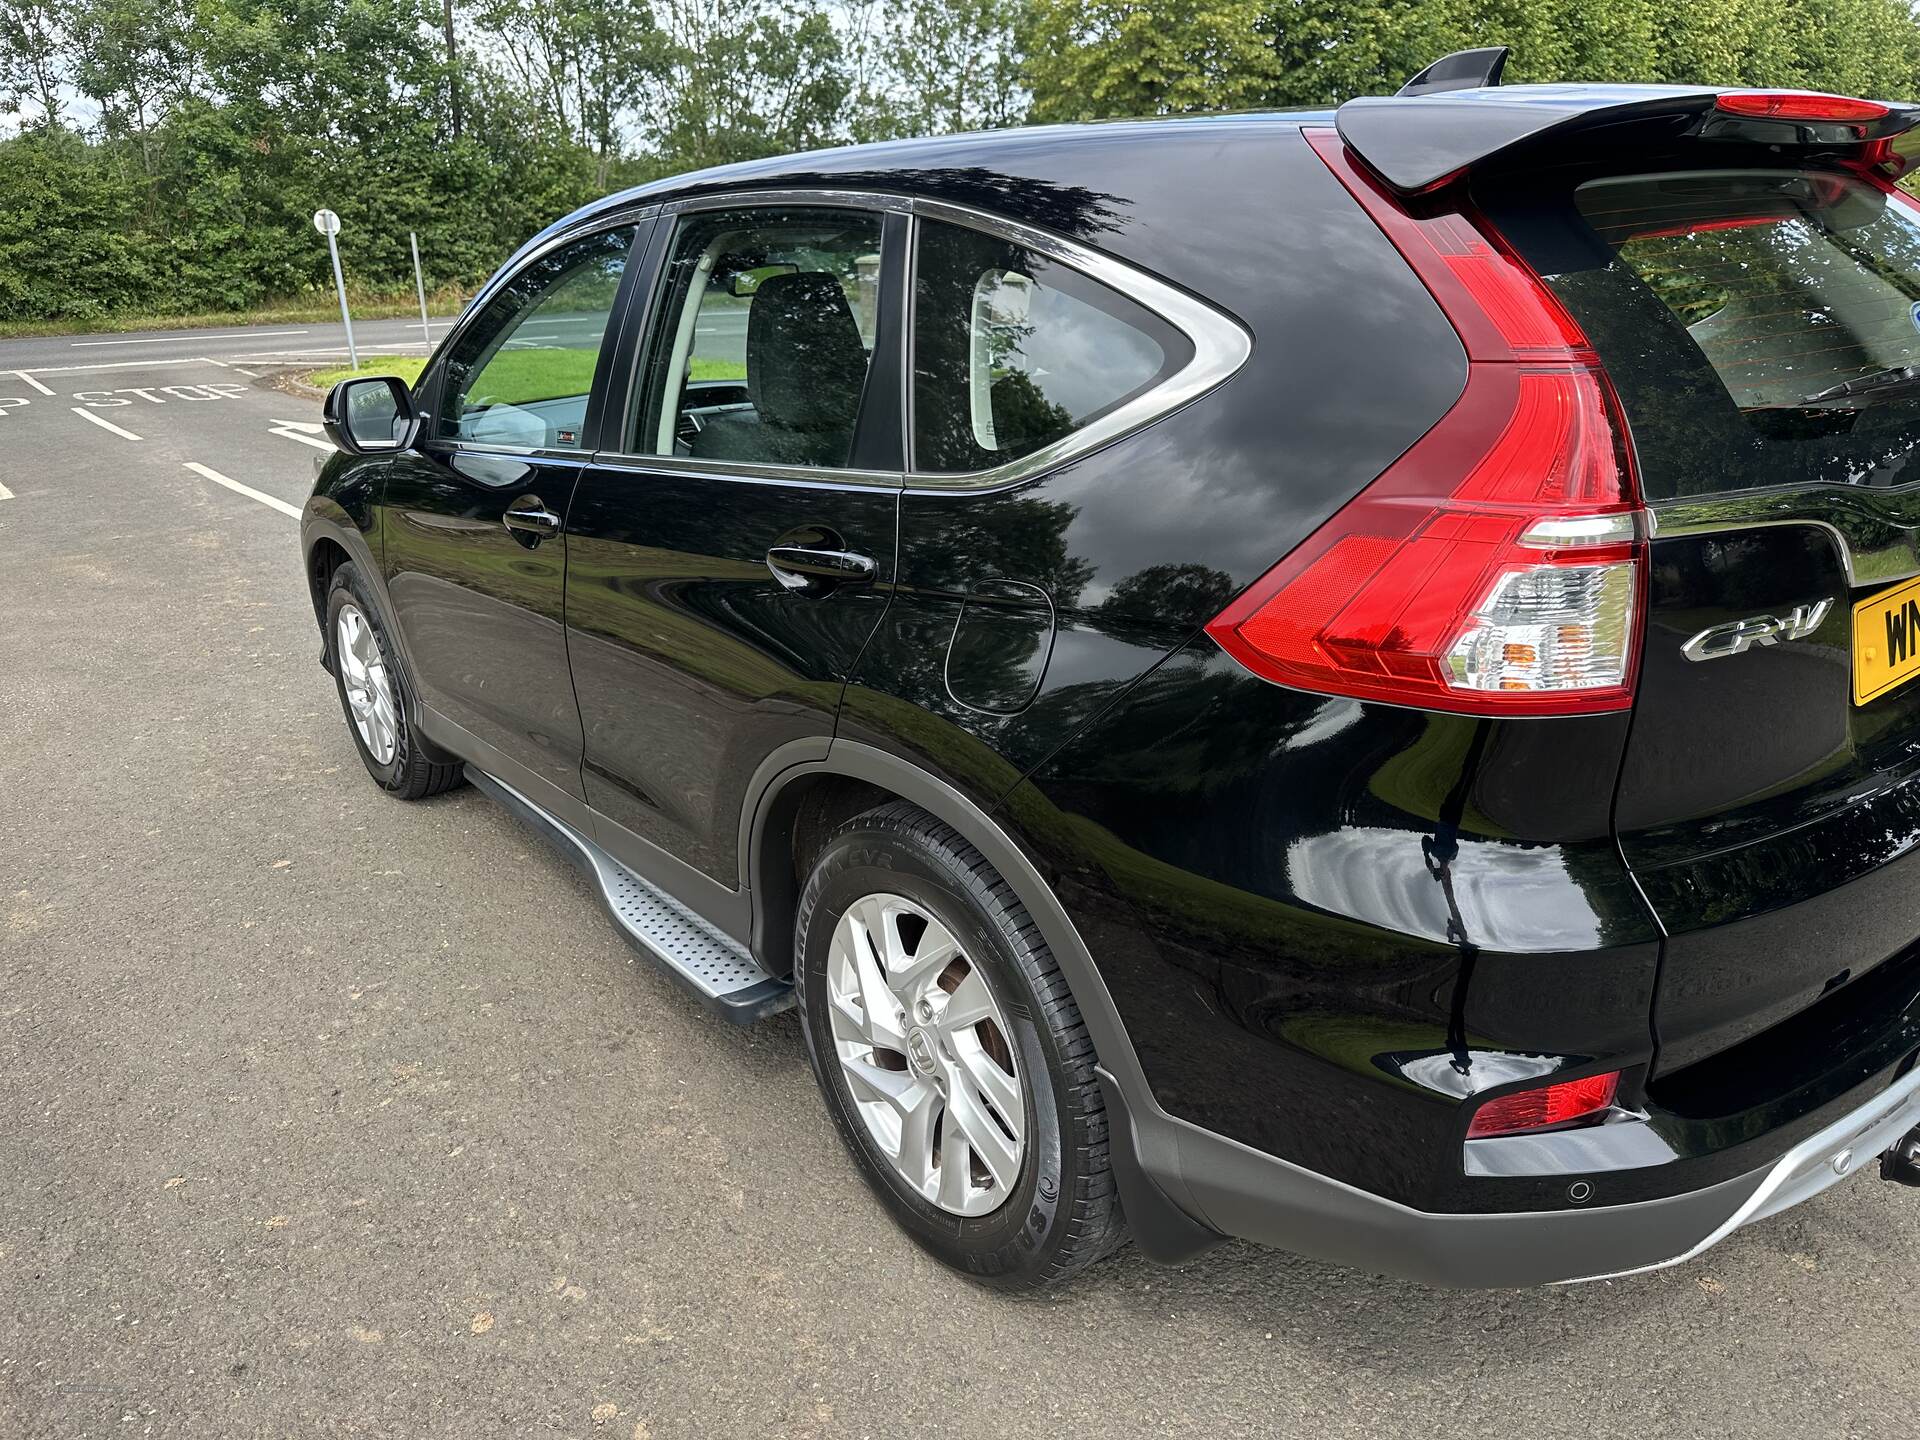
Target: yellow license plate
(1886, 641)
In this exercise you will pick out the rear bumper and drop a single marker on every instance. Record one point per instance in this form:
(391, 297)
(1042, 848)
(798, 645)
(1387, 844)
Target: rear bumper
(1233, 1190)
(1823, 1159)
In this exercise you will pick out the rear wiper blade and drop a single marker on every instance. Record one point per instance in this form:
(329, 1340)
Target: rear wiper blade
(1894, 380)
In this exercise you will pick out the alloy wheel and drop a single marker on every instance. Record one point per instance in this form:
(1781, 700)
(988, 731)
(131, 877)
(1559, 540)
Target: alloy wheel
(926, 1052)
(368, 684)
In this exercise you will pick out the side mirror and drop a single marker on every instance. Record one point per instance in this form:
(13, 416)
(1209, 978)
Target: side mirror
(371, 416)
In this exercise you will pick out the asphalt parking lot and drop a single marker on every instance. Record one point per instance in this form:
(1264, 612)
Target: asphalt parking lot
(329, 1115)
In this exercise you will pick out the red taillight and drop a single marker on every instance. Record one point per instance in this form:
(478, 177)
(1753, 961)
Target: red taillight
(1801, 105)
(1546, 1105)
(1494, 568)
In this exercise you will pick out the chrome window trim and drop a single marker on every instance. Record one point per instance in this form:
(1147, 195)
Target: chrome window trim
(791, 195)
(752, 471)
(1221, 345)
(546, 454)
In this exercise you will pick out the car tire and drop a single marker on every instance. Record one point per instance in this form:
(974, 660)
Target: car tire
(1018, 1204)
(372, 687)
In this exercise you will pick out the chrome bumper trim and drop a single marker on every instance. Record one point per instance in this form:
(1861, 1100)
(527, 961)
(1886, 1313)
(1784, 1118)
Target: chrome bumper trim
(1822, 1160)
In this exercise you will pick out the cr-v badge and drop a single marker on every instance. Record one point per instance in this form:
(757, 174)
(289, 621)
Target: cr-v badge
(1737, 635)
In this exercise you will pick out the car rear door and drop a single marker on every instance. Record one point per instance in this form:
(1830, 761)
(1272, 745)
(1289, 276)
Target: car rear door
(473, 554)
(731, 546)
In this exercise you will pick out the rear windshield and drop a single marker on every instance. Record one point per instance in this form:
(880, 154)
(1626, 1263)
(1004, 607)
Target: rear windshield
(1762, 326)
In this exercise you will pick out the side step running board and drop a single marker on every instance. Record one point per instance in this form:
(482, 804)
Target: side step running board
(716, 968)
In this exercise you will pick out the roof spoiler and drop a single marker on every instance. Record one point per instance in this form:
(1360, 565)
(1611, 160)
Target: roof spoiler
(1435, 128)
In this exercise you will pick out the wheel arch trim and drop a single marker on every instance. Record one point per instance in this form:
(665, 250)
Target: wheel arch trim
(1166, 1225)
(318, 522)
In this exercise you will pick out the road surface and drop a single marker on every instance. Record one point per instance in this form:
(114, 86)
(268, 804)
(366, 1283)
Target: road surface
(328, 1115)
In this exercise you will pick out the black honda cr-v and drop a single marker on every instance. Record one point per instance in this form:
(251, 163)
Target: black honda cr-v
(1336, 678)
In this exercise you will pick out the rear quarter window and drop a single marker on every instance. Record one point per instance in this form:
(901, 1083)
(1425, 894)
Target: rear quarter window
(1013, 350)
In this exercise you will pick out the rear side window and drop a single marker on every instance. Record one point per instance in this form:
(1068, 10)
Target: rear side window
(764, 337)
(1762, 327)
(1013, 350)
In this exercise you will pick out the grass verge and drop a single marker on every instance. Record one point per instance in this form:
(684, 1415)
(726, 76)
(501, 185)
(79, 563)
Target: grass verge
(530, 374)
(407, 367)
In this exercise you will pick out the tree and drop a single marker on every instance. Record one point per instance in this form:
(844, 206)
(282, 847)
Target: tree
(742, 79)
(932, 67)
(1142, 57)
(34, 47)
(584, 63)
(1088, 59)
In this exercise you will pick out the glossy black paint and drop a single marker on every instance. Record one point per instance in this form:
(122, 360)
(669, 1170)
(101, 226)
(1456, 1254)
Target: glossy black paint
(1138, 545)
(1321, 925)
(691, 660)
(481, 604)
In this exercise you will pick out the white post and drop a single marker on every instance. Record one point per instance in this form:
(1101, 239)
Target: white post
(420, 288)
(340, 284)
(328, 224)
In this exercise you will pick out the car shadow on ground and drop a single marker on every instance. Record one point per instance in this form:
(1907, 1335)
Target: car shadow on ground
(1342, 1315)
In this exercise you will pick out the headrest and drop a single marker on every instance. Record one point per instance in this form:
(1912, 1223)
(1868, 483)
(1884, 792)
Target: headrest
(805, 362)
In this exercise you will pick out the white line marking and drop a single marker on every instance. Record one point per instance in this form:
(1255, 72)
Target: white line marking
(109, 365)
(247, 490)
(33, 382)
(250, 356)
(211, 361)
(181, 339)
(250, 374)
(5, 493)
(303, 439)
(86, 414)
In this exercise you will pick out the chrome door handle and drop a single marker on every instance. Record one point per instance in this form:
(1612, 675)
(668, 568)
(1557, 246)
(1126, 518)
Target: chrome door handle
(808, 571)
(530, 514)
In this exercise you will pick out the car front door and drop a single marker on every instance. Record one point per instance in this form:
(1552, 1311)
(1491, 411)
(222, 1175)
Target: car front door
(729, 550)
(472, 525)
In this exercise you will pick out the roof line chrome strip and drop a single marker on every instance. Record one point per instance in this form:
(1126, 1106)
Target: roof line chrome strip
(835, 199)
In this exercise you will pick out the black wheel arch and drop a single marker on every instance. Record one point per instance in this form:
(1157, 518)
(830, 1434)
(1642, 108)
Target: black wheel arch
(1166, 1227)
(328, 539)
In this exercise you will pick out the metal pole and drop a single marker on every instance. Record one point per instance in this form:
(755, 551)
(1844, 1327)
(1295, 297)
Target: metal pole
(420, 287)
(340, 284)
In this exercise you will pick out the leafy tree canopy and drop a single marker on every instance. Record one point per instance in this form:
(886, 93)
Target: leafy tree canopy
(166, 157)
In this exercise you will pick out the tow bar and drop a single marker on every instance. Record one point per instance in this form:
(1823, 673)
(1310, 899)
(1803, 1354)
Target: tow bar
(1901, 1162)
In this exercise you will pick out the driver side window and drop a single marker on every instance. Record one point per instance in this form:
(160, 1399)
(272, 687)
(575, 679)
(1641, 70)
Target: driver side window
(761, 346)
(521, 374)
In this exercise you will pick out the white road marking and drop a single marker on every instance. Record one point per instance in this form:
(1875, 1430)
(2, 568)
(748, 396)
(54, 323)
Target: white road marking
(302, 431)
(33, 382)
(211, 361)
(5, 493)
(181, 339)
(109, 365)
(271, 501)
(86, 414)
(250, 374)
(258, 355)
